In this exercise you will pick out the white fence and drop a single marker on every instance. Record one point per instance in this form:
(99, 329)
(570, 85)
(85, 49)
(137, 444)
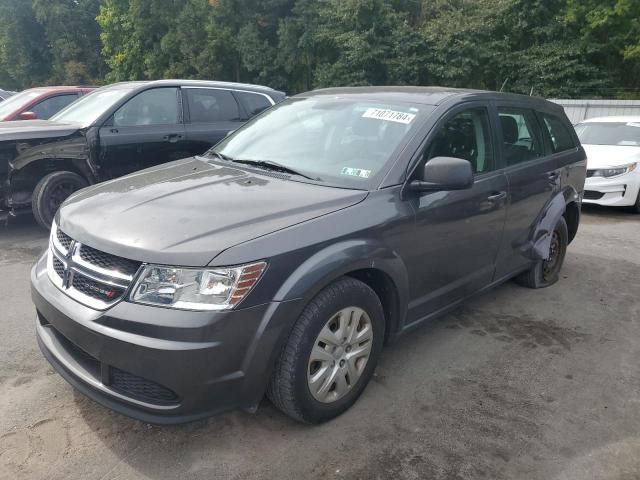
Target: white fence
(578, 110)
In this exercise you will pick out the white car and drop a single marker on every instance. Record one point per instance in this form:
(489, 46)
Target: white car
(613, 161)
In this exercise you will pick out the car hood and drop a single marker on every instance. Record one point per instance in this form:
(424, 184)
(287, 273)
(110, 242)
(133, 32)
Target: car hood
(603, 156)
(28, 129)
(189, 211)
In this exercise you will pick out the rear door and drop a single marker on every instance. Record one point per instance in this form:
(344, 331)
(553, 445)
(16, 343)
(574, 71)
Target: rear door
(533, 175)
(458, 233)
(211, 113)
(146, 131)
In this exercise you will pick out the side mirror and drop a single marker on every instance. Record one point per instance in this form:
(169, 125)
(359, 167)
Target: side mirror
(444, 173)
(28, 116)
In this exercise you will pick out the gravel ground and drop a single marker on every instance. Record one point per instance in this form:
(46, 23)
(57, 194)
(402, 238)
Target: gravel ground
(516, 384)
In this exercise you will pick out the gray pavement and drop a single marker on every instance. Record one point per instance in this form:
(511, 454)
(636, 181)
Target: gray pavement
(516, 384)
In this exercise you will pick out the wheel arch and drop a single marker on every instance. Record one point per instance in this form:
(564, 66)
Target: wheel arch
(379, 267)
(572, 211)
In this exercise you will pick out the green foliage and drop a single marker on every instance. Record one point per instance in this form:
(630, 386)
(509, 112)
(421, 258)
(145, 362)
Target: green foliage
(566, 48)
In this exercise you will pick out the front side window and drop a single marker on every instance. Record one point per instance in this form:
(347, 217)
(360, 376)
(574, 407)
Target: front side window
(561, 139)
(609, 133)
(92, 106)
(343, 141)
(466, 135)
(520, 135)
(17, 102)
(253, 103)
(52, 105)
(158, 106)
(208, 105)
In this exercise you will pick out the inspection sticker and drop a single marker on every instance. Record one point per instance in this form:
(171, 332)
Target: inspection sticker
(389, 115)
(355, 172)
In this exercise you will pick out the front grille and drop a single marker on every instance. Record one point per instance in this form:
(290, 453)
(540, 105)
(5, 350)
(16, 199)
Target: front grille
(58, 267)
(140, 388)
(593, 195)
(97, 290)
(108, 261)
(64, 239)
(92, 277)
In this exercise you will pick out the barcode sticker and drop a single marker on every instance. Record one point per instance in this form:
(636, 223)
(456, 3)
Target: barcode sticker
(389, 115)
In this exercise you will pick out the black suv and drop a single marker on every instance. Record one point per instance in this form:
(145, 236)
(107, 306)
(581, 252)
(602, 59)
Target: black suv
(117, 130)
(285, 257)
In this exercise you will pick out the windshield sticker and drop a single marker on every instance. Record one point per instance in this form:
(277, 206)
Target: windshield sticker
(633, 124)
(355, 172)
(389, 115)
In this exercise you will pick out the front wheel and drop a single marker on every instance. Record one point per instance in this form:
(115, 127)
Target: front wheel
(331, 353)
(545, 272)
(50, 192)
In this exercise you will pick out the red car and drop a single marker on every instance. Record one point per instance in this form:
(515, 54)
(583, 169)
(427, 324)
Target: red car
(40, 103)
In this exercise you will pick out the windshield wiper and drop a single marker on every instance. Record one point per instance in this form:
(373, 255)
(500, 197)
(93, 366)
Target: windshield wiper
(269, 165)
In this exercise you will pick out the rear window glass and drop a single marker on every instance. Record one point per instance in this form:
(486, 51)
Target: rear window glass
(253, 103)
(561, 139)
(208, 105)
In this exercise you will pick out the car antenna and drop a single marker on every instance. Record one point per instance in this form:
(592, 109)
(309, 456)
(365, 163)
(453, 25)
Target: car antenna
(504, 83)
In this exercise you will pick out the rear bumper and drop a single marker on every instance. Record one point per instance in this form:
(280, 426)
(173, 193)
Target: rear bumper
(160, 365)
(618, 191)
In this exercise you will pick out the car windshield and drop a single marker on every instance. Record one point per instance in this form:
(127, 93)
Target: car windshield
(17, 102)
(609, 133)
(89, 108)
(341, 141)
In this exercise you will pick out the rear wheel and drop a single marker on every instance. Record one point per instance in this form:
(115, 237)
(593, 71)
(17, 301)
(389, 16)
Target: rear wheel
(331, 353)
(545, 272)
(50, 192)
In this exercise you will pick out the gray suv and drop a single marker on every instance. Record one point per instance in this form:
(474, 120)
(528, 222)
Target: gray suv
(283, 259)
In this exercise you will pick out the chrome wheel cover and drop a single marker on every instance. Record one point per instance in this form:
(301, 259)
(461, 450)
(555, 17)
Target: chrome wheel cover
(340, 354)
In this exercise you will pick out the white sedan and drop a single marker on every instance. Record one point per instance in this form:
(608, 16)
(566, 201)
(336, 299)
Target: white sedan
(613, 161)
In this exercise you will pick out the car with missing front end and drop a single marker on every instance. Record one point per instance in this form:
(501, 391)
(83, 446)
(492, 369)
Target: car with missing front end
(113, 131)
(283, 259)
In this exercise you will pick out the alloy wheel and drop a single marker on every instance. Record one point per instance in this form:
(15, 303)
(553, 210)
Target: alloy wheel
(340, 354)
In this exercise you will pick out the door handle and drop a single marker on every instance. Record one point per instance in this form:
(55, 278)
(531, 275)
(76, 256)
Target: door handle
(496, 197)
(172, 138)
(114, 130)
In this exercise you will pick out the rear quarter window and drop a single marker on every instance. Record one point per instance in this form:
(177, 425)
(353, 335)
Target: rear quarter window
(559, 134)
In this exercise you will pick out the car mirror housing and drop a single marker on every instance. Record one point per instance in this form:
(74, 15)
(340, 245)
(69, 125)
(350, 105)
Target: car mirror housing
(28, 116)
(444, 173)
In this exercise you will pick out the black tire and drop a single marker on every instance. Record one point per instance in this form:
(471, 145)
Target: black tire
(50, 192)
(288, 389)
(545, 272)
(636, 207)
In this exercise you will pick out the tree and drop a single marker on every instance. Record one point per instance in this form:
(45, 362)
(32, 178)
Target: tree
(24, 57)
(609, 30)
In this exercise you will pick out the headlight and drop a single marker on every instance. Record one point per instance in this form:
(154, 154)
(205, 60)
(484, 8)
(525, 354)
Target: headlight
(196, 289)
(614, 172)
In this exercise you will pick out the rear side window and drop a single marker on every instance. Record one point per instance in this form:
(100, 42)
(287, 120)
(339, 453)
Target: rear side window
(253, 103)
(466, 135)
(207, 105)
(158, 106)
(561, 139)
(52, 105)
(520, 135)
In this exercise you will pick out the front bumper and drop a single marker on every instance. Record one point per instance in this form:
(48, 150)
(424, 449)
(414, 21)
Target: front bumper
(160, 365)
(617, 191)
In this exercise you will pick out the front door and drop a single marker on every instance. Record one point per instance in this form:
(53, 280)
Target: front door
(146, 131)
(533, 180)
(458, 233)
